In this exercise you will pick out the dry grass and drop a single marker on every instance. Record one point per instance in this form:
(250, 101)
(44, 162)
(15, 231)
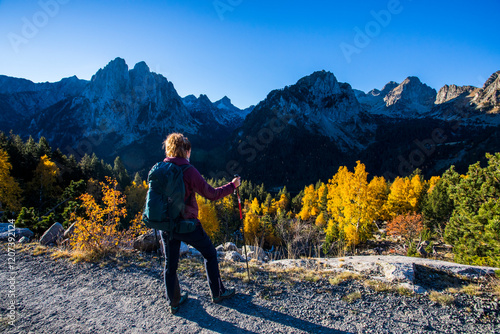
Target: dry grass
(85, 256)
(452, 290)
(352, 297)
(344, 276)
(40, 250)
(61, 254)
(496, 287)
(378, 286)
(471, 290)
(441, 298)
(312, 277)
(404, 291)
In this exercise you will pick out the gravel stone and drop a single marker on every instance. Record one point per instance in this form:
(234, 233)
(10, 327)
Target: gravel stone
(57, 296)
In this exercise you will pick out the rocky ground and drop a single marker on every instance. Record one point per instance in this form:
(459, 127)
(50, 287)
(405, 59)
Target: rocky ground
(125, 295)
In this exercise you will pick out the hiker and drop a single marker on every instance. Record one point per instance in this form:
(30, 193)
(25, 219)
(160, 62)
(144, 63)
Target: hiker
(178, 151)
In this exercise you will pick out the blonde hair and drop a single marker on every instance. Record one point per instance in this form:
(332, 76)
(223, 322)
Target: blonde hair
(177, 146)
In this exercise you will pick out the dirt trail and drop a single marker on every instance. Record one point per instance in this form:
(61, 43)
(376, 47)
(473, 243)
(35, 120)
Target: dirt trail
(61, 297)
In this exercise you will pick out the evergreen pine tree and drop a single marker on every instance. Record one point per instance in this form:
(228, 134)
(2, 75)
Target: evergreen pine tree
(474, 227)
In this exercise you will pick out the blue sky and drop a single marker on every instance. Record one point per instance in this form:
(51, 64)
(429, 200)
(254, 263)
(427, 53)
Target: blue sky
(244, 49)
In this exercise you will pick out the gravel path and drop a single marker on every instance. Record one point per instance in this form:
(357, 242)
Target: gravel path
(56, 296)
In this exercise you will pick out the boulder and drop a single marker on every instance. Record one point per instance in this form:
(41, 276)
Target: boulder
(421, 250)
(229, 246)
(147, 242)
(194, 252)
(69, 231)
(17, 233)
(4, 227)
(219, 248)
(233, 256)
(184, 249)
(53, 235)
(254, 252)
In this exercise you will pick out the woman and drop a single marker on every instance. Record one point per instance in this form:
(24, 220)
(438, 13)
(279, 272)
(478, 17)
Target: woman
(178, 151)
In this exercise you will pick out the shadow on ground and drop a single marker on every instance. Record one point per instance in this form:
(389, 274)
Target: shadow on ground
(245, 307)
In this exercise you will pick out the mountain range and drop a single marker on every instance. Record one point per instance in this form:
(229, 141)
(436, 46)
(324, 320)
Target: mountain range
(296, 135)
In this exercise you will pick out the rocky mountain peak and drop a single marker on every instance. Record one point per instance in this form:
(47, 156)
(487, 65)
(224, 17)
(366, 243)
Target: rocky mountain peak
(488, 98)
(224, 103)
(109, 82)
(388, 87)
(141, 67)
(492, 79)
(411, 96)
(320, 84)
(447, 93)
(116, 68)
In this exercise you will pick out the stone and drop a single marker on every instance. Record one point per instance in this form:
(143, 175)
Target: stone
(219, 248)
(147, 242)
(413, 287)
(229, 246)
(24, 240)
(69, 231)
(184, 249)
(4, 227)
(53, 235)
(17, 233)
(233, 256)
(421, 250)
(257, 252)
(194, 251)
(398, 272)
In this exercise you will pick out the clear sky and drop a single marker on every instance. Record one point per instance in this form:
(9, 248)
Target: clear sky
(246, 48)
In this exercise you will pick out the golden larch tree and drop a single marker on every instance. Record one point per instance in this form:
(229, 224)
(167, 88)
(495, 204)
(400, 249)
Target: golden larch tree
(10, 192)
(309, 201)
(44, 179)
(350, 205)
(378, 191)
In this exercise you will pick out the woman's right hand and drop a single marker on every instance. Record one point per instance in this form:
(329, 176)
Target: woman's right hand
(236, 181)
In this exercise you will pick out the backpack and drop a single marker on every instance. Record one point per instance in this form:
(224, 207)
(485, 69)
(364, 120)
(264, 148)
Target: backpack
(165, 199)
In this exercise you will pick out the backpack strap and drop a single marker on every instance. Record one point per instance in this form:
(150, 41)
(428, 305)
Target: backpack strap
(184, 168)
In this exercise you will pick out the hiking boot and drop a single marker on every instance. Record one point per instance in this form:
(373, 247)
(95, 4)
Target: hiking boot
(226, 295)
(175, 309)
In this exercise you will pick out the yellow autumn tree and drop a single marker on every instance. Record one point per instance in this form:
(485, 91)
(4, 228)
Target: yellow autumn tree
(322, 198)
(416, 190)
(252, 228)
(378, 192)
(404, 196)
(432, 183)
(309, 203)
(255, 207)
(350, 206)
(207, 214)
(10, 192)
(96, 231)
(136, 196)
(44, 182)
(321, 220)
(282, 205)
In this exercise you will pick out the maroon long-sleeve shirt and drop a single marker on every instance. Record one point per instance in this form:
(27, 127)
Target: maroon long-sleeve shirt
(195, 183)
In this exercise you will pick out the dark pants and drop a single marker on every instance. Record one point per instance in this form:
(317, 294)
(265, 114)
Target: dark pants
(171, 248)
